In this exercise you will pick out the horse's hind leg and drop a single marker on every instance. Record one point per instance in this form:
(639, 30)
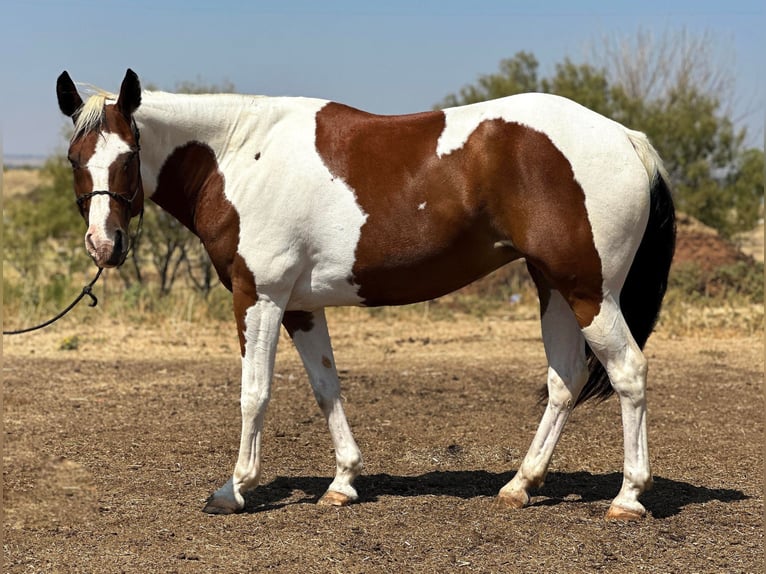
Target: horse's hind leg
(311, 337)
(567, 373)
(611, 341)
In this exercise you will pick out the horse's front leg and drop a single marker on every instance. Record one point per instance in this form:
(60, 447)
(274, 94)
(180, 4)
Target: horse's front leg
(259, 332)
(311, 337)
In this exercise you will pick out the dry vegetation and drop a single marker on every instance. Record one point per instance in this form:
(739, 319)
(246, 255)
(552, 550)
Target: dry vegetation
(19, 181)
(751, 242)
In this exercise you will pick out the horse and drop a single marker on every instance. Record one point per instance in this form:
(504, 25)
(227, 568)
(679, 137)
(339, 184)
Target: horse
(304, 204)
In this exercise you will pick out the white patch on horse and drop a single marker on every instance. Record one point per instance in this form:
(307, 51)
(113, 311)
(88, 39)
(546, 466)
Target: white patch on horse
(302, 242)
(109, 147)
(422, 206)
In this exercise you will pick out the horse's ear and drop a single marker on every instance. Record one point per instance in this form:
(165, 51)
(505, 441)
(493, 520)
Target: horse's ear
(69, 99)
(130, 94)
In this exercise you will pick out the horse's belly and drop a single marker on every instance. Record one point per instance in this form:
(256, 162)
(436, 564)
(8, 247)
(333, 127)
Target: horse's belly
(320, 287)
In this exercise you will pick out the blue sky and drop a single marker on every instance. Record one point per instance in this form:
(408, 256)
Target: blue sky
(390, 56)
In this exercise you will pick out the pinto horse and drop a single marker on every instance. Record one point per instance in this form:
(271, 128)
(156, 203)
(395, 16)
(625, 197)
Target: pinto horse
(304, 203)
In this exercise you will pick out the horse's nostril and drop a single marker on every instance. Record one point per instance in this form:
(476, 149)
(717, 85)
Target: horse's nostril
(118, 241)
(118, 250)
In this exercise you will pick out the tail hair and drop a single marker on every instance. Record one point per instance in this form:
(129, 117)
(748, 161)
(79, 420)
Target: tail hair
(644, 288)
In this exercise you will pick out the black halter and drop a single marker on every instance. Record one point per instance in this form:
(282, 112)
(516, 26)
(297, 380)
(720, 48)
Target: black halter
(128, 201)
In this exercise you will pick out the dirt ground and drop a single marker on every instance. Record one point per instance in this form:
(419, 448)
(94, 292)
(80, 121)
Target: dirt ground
(115, 435)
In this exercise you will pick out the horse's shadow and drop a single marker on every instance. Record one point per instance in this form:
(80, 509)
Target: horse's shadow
(667, 498)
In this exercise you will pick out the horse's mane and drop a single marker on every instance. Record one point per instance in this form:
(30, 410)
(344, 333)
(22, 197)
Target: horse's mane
(91, 113)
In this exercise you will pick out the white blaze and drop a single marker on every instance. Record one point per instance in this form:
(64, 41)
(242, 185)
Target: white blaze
(109, 147)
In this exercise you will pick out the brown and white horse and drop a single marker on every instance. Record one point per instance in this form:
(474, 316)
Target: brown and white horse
(303, 204)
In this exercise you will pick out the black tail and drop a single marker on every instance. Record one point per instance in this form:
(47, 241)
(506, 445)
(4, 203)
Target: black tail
(641, 296)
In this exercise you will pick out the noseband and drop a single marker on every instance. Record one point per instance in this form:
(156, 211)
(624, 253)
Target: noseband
(116, 196)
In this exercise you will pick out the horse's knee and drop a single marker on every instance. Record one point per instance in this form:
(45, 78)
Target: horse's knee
(253, 402)
(628, 377)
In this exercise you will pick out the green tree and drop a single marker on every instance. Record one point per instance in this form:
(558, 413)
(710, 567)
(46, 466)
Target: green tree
(517, 75)
(44, 226)
(585, 84)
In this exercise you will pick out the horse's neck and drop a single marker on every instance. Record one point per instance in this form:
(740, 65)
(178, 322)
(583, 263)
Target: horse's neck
(167, 122)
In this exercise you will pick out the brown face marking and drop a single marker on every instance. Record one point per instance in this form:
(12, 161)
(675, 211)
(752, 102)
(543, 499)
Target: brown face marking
(81, 150)
(124, 173)
(191, 188)
(508, 182)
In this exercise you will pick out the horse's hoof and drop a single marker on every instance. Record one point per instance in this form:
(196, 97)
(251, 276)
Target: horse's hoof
(218, 506)
(619, 513)
(332, 498)
(513, 500)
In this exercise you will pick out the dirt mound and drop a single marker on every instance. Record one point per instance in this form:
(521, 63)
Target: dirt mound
(702, 245)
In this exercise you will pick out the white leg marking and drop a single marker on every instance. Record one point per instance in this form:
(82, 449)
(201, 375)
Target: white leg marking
(611, 341)
(567, 373)
(316, 352)
(262, 322)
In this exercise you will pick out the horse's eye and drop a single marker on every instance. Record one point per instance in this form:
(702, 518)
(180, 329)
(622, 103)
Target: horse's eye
(127, 163)
(131, 157)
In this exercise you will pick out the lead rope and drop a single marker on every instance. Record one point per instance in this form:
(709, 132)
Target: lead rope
(87, 290)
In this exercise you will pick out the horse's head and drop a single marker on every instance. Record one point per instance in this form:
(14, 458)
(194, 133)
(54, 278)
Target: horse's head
(104, 154)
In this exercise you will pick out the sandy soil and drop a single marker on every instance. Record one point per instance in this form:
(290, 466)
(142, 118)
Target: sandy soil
(112, 446)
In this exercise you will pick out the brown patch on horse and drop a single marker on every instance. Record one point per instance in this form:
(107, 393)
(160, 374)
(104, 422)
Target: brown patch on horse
(406, 253)
(191, 188)
(433, 224)
(298, 321)
(245, 295)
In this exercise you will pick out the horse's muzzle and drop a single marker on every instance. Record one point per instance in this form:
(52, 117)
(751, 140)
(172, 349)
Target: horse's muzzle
(105, 252)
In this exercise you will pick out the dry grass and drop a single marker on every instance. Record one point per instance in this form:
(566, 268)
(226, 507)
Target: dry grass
(751, 242)
(19, 181)
(722, 320)
(377, 332)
